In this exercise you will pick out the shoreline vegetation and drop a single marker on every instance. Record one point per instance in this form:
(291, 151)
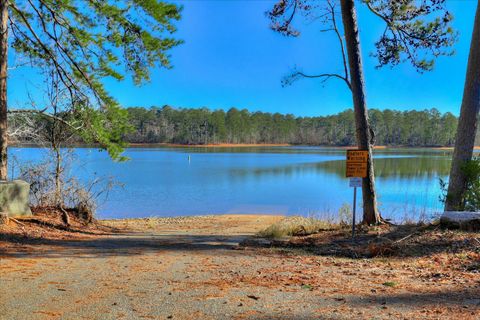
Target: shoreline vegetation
(239, 145)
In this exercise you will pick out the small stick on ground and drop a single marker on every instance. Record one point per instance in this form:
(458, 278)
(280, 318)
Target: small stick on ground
(404, 238)
(16, 221)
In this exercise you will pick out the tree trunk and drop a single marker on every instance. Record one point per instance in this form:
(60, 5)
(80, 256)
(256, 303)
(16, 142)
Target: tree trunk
(467, 123)
(3, 87)
(58, 181)
(363, 132)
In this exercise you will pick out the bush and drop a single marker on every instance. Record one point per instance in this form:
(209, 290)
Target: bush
(50, 187)
(471, 197)
(346, 215)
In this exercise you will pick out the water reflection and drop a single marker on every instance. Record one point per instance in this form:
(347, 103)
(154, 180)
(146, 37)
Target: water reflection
(274, 180)
(385, 167)
(399, 167)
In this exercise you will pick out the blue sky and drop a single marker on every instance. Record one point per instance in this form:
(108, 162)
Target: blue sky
(231, 58)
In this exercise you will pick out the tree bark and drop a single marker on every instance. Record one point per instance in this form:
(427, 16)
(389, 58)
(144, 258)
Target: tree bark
(58, 181)
(3, 87)
(363, 131)
(467, 123)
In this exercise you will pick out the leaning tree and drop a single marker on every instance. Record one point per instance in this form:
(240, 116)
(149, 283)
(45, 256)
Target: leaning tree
(415, 30)
(85, 42)
(467, 124)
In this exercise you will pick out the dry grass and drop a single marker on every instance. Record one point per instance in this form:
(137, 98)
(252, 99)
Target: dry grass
(296, 226)
(392, 242)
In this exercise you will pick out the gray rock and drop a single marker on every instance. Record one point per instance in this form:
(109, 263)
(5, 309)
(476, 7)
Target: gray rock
(14, 197)
(461, 220)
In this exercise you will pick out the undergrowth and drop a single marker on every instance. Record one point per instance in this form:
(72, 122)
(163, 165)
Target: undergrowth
(296, 226)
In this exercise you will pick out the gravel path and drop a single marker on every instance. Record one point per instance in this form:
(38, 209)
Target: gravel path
(191, 268)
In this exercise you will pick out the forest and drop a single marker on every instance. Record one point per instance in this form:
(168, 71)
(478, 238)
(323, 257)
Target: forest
(204, 126)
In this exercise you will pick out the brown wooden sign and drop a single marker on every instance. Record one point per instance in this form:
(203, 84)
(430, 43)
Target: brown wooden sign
(357, 163)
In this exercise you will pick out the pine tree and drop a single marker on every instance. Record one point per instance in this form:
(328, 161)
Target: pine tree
(86, 42)
(467, 124)
(415, 31)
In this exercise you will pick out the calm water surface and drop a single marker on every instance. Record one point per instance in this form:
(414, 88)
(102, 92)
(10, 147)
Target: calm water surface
(273, 180)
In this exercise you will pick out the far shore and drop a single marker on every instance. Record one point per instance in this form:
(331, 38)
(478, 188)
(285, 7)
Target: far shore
(211, 145)
(239, 145)
(451, 148)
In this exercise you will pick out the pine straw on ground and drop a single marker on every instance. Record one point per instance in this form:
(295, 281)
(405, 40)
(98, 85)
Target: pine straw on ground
(46, 224)
(459, 249)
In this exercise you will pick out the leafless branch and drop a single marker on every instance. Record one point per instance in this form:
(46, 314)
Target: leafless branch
(324, 76)
(45, 114)
(340, 40)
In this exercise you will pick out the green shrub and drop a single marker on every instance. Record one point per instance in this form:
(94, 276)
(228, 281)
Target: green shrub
(471, 197)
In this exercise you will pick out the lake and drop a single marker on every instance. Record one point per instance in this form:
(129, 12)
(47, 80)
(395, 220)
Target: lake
(305, 181)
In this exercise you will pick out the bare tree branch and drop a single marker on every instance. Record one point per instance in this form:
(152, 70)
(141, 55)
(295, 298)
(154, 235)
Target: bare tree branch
(45, 114)
(61, 71)
(340, 39)
(64, 51)
(324, 76)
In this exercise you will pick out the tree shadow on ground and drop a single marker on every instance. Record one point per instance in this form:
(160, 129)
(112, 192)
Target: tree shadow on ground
(125, 244)
(414, 305)
(392, 241)
(469, 297)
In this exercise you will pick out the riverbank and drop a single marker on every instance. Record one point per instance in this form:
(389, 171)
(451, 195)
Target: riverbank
(194, 268)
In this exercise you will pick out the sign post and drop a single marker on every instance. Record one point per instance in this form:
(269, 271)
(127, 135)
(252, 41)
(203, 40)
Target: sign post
(355, 182)
(356, 170)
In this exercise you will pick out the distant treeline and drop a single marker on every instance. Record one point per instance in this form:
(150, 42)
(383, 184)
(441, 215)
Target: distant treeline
(204, 126)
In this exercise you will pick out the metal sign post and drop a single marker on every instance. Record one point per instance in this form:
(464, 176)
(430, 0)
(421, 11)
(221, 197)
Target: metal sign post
(354, 208)
(355, 182)
(356, 170)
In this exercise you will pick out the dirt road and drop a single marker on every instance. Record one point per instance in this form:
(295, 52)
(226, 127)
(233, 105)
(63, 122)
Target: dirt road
(192, 268)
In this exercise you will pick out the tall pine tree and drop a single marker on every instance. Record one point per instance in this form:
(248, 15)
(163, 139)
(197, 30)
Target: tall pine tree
(415, 31)
(86, 41)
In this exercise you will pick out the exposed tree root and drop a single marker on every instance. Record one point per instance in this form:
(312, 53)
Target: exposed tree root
(65, 216)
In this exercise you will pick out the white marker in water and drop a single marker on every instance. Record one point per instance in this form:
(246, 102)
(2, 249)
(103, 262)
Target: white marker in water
(188, 158)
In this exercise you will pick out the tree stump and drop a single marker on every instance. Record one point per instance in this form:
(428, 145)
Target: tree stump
(85, 213)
